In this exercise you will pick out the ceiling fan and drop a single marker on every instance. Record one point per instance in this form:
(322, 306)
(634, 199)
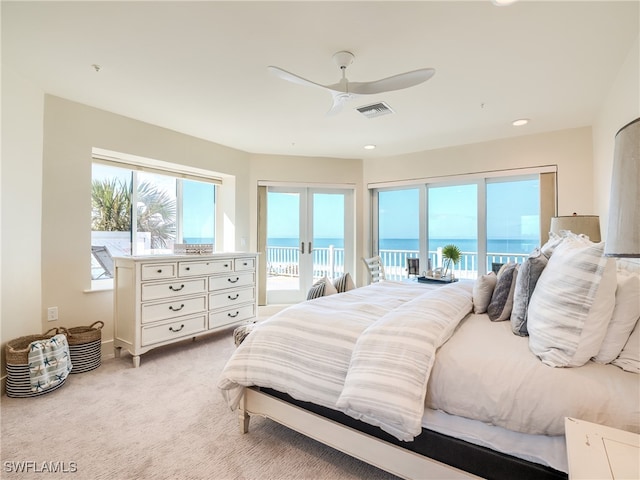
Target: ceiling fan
(345, 90)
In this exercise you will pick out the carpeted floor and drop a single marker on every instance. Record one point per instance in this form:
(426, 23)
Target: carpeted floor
(164, 420)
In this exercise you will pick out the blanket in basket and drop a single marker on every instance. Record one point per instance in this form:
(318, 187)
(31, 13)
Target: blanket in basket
(49, 362)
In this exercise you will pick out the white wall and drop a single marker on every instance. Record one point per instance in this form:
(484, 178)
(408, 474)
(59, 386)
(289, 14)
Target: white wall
(21, 207)
(621, 105)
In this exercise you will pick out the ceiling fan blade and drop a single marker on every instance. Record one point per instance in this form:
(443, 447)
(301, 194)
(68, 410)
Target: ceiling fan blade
(293, 78)
(396, 82)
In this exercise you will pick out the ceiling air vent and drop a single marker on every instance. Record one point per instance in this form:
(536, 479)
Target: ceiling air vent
(375, 110)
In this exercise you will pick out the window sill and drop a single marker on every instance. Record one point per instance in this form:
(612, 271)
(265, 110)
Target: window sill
(100, 286)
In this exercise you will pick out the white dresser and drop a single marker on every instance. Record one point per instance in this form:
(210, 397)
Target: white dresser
(159, 300)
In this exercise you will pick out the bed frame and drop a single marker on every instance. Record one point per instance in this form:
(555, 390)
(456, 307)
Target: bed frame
(430, 455)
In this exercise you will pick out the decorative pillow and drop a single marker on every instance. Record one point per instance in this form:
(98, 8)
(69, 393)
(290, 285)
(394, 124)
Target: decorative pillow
(572, 303)
(482, 292)
(629, 358)
(329, 289)
(625, 315)
(344, 283)
(317, 290)
(554, 240)
(499, 308)
(528, 275)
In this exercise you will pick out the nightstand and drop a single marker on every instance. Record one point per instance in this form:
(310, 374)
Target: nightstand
(600, 452)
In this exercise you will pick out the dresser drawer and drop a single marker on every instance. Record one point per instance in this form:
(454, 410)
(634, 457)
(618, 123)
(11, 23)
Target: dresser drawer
(225, 317)
(168, 331)
(186, 269)
(232, 281)
(241, 264)
(152, 312)
(155, 291)
(231, 298)
(158, 271)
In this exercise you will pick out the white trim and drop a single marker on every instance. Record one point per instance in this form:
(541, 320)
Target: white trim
(332, 186)
(157, 166)
(465, 177)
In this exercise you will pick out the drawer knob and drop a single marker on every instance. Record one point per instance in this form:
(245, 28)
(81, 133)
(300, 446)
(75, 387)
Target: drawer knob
(188, 268)
(160, 270)
(177, 330)
(245, 264)
(176, 289)
(233, 281)
(226, 265)
(233, 298)
(233, 315)
(176, 309)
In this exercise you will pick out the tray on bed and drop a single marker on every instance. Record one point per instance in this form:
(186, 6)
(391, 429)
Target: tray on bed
(437, 280)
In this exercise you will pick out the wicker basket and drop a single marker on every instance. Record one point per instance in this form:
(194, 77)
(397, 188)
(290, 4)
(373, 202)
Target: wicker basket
(18, 349)
(85, 346)
(17, 364)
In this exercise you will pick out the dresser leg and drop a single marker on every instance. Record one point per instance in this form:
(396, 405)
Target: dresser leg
(136, 361)
(117, 351)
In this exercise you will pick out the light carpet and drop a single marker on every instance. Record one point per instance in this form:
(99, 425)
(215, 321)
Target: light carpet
(164, 420)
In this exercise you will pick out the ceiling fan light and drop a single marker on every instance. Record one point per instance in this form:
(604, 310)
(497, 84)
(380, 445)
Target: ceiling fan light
(520, 122)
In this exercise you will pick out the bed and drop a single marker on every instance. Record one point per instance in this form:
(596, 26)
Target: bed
(410, 378)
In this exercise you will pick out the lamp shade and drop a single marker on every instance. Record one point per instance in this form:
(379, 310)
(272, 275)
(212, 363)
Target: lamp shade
(588, 225)
(623, 230)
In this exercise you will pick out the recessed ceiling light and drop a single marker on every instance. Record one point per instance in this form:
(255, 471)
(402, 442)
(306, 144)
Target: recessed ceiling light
(503, 3)
(520, 122)
(369, 147)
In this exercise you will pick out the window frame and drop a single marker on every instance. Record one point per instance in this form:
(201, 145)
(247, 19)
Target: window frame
(480, 179)
(179, 173)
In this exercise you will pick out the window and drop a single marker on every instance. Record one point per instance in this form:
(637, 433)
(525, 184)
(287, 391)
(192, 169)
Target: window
(138, 211)
(492, 220)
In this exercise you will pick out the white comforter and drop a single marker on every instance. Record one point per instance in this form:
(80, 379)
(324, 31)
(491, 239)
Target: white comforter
(329, 351)
(367, 352)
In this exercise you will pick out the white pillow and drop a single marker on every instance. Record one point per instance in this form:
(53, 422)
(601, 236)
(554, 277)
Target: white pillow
(482, 292)
(629, 358)
(572, 303)
(625, 315)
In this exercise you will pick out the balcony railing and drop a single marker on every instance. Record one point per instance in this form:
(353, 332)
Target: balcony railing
(329, 262)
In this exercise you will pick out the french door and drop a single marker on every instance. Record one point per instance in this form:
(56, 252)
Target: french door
(309, 236)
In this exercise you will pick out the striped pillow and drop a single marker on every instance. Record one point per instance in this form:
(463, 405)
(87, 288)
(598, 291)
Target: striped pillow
(317, 290)
(572, 303)
(344, 283)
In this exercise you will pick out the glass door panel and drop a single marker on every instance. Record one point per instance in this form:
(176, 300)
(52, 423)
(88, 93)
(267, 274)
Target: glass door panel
(328, 235)
(398, 230)
(284, 231)
(453, 219)
(513, 220)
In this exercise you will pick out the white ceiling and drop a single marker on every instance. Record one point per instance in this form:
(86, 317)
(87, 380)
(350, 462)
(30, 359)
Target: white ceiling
(200, 67)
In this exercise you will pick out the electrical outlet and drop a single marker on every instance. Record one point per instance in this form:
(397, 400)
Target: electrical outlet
(52, 314)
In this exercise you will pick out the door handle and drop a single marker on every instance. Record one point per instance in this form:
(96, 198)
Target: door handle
(302, 247)
(310, 249)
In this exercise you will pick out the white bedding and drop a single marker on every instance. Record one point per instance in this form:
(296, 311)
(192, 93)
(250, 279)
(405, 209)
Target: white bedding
(487, 373)
(483, 372)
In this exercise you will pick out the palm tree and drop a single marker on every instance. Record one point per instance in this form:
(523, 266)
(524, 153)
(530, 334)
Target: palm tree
(111, 209)
(156, 214)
